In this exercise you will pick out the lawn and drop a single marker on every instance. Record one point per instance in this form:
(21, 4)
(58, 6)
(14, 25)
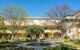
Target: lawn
(65, 42)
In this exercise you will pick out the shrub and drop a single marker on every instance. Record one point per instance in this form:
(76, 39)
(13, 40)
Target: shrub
(66, 37)
(71, 40)
(16, 48)
(62, 47)
(7, 45)
(65, 47)
(77, 41)
(31, 40)
(24, 48)
(53, 48)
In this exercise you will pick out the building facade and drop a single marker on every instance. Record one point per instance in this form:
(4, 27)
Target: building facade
(70, 24)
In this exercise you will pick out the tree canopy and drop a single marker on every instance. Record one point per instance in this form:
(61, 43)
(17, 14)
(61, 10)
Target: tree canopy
(35, 29)
(60, 11)
(13, 12)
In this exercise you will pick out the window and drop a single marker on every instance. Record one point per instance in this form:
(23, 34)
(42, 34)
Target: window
(69, 31)
(79, 20)
(45, 28)
(28, 35)
(32, 20)
(67, 20)
(46, 35)
(40, 20)
(37, 35)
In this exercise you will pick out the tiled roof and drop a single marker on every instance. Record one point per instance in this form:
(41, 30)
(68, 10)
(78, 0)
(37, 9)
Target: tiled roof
(40, 18)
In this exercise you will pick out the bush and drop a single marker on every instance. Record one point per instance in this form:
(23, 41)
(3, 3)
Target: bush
(16, 48)
(17, 42)
(77, 41)
(66, 37)
(4, 42)
(23, 48)
(71, 40)
(65, 47)
(53, 48)
(7, 45)
(62, 47)
(31, 40)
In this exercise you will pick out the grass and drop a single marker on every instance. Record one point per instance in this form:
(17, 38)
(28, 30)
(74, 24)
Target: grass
(53, 48)
(71, 43)
(5, 45)
(16, 48)
(13, 43)
(62, 47)
(29, 40)
(65, 42)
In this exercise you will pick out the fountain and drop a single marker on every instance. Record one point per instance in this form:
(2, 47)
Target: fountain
(38, 45)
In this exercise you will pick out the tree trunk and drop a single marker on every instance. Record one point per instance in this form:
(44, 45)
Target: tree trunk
(12, 37)
(13, 34)
(37, 37)
(30, 37)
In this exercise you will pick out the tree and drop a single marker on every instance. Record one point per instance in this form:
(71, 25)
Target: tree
(66, 37)
(59, 12)
(2, 26)
(1, 20)
(35, 30)
(13, 13)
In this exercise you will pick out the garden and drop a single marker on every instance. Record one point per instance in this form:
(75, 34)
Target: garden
(13, 46)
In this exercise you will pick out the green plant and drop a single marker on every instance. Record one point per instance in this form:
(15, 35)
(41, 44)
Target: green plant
(53, 48)
(34, 30)
(31, 40)
(62, 47)
(65, 47)
(66, 37)
(77, 41)
(71, 40)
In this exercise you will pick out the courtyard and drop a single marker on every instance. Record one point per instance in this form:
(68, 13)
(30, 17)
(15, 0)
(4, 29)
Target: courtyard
(39, 25)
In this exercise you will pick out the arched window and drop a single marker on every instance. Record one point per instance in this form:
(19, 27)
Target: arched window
(45, 28)
(28, 35)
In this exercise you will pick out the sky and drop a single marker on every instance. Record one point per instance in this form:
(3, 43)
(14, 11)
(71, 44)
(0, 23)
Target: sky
(37, 8)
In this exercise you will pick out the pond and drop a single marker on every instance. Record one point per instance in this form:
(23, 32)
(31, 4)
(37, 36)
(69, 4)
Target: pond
(34, 46)
(38, 45)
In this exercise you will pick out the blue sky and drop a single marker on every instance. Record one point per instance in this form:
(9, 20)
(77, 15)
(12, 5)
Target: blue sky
(39, 7)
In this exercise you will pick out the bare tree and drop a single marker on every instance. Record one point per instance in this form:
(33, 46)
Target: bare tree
(13, 13)
(58, 13)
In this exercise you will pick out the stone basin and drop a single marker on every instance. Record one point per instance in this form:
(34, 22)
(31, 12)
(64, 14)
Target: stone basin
(37, 45)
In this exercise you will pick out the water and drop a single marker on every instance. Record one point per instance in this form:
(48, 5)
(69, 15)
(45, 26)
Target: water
(37, 47)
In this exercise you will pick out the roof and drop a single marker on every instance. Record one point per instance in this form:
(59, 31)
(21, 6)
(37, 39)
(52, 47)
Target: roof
(74, 16)
(40, 18)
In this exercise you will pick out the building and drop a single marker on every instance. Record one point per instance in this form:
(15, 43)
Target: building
(32, 21)
(70, 24)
